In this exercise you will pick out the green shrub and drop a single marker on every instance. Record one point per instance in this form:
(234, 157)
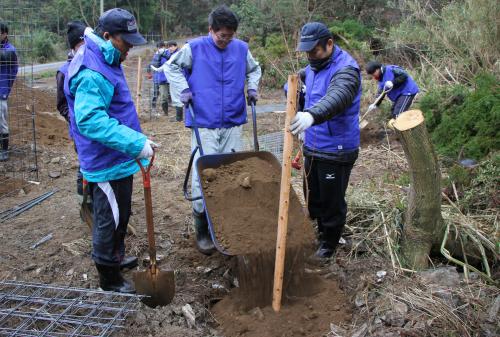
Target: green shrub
(44, 45)
(465, 121)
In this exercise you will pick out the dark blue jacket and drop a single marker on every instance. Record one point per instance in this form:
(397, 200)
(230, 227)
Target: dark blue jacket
(340, 133)
(8, 68)
(217, 81)
(158, 60)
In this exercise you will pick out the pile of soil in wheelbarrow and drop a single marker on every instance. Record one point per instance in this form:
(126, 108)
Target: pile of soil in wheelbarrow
(242, 200)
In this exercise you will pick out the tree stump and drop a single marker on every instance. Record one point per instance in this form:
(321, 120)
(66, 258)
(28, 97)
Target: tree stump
(423, 226)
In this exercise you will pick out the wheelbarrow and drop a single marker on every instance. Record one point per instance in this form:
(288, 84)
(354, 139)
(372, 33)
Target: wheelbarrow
(214, 161)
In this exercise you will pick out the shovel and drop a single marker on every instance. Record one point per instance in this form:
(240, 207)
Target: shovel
(362, 121)
(157, 284)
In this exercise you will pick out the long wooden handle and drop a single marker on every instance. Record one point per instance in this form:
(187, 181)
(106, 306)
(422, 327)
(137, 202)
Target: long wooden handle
(148, 201)
(286, 170)
(139, 85)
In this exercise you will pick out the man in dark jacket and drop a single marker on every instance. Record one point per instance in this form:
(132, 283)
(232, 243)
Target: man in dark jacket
(397, 84)
(219, 65)
(75, 33)
(8, 73)
(330, 128)
(160, 83)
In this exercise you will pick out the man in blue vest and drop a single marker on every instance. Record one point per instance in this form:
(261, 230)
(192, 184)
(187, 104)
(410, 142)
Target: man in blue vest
(330, 128)
(8, 73)
(160, 83)
(396, 82)
(218, 65)
(108, 137)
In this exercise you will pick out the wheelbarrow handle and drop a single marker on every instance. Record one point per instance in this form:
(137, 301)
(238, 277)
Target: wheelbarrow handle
(148, 202)
(187, 196)
(254, 120)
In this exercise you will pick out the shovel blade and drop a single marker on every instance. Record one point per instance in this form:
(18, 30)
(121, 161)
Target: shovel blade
(363, 124)
(159, 286)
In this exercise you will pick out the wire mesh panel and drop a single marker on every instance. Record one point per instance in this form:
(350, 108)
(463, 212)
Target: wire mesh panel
(271, 142)
(33, 309)
(18, 160)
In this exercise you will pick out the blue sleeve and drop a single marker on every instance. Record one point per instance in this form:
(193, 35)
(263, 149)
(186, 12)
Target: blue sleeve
(93, 95)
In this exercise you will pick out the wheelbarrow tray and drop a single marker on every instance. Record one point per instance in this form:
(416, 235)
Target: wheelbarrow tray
(215, 161)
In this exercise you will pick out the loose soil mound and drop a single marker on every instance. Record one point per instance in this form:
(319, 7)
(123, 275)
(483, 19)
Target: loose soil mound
(302, 316)
(243, 202)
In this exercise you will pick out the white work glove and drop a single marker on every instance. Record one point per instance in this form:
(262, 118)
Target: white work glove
(372, 107)
(158, 70)
(148, 149)
(388, 85)
(301, 122)
(302, 136)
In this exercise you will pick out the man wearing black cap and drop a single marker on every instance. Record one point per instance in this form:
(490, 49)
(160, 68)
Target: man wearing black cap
(8, 73)
(396, 83)
(330, 129)
(108, 137)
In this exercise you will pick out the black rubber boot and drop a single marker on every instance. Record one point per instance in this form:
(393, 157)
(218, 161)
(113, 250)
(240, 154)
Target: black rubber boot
(178, 113)
(129, 262)
(203, 240)
(111, 279)
(4, 152)
(164, 107)
(328, 242)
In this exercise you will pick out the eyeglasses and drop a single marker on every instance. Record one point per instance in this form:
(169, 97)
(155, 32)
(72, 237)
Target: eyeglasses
(224, 37)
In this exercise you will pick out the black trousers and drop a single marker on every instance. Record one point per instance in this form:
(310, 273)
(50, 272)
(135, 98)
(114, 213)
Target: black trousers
(401, 104)
(324, 188)
(112, 202)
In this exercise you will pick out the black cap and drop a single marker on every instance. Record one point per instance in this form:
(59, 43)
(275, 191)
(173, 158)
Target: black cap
(372, 66)
(310, 35)
(76, 30)
(120, 21)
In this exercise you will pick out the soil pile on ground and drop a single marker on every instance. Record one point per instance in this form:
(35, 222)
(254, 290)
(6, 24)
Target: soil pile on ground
(301, 316)
(242, 199)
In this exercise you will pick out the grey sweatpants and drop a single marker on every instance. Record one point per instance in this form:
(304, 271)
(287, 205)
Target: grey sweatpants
(213, 141)
(4, 117)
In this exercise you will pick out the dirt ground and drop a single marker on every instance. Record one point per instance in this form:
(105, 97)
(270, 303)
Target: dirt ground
(207, 284)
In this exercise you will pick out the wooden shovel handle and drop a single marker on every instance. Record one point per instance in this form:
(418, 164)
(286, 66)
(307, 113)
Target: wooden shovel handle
(148, 202)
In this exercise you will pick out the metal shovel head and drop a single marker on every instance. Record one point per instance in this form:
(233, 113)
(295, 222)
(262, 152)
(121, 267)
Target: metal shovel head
(158, 285)
(363, 124)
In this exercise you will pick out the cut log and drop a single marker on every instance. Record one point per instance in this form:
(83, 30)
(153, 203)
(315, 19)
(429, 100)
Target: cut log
(423, 226)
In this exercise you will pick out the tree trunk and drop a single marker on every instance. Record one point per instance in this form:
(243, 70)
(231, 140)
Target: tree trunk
(423, 225)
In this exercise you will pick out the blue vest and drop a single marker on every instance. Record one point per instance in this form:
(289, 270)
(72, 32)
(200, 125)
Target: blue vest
(217, 81)
(341, 133)
(159, 77)
(8, 70)
(93, 155)
(409, 87)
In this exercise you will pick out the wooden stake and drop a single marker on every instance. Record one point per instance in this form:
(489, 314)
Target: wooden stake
(291, 109)
(139, 85)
